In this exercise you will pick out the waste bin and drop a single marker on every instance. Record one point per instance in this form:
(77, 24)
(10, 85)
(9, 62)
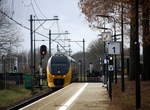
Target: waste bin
(27, 79)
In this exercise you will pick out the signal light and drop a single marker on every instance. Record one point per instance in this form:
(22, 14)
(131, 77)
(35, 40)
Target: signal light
(43, 50)
(110, 60)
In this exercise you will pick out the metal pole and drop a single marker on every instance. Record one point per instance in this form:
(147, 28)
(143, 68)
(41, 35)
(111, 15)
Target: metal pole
(104, 65)
(3, 62)
(41, 72)
(137, 76)
(31, 37)
(50, 43)
(81, 68)
(5, 74)
(122, 53)
(84, 59)
(110, 84)
(34, 59)
(115, 55)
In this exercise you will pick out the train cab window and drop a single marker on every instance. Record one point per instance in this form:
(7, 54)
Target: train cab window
(59, 65)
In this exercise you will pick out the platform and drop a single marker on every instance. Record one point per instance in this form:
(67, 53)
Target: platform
(76, 96)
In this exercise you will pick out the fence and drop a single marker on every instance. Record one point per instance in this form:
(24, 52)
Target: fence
(10, 79)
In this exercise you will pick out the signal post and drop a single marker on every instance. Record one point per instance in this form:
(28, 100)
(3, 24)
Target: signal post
(43, 52)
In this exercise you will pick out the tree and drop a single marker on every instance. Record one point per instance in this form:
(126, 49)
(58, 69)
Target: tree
(95, 53)
(146, 39)
(9, 35)
(91, 8)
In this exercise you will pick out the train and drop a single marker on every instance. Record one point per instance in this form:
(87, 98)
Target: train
(61, 71)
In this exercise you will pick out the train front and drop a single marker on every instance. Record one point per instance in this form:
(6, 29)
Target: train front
(58, 71)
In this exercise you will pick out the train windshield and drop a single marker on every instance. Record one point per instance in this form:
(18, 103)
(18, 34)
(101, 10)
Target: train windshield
(59, 65)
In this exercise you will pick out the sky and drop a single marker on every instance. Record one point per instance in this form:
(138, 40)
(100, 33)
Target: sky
(70, 19)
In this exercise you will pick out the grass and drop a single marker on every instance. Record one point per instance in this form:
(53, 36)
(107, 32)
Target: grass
(126, 100)
(12, 96)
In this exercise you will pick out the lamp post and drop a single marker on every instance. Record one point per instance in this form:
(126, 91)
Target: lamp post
(115, 39)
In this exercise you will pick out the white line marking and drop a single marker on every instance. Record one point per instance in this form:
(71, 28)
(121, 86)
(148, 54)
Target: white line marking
(44, 97)
(70, 101)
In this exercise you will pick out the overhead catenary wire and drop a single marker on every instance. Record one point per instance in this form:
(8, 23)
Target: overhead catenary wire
(27, 28)
(25, 5)
(41, 24)
(12, 7)
(38, 8)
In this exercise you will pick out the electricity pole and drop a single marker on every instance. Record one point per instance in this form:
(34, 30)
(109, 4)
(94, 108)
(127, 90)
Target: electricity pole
(84, 59)
(32, 67)
(50, 43)
(122, 51)
(31, 37)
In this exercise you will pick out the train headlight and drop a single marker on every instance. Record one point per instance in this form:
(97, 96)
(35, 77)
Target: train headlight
(64, 76)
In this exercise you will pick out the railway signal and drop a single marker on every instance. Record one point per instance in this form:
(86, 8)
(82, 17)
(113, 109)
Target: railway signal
(110, 68)
(43, 50)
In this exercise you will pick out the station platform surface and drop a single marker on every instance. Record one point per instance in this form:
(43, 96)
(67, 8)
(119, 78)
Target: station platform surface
(76, 96)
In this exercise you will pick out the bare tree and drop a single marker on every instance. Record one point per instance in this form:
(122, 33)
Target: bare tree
(95, 53)
(9, 34)
(91, 8)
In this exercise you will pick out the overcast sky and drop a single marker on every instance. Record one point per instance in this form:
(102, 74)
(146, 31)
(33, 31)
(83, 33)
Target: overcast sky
(71, 19)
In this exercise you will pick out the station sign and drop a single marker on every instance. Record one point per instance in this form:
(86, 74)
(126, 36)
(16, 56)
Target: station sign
(114, 48)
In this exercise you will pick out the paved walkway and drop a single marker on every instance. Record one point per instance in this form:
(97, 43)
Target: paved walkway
(76, 96)
(94, 97)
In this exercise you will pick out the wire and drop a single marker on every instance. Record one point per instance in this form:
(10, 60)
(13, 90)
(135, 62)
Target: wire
(25, 27)
(40, 24)
(39, 9)
(25, 5)
(33, 9)
(78, 44)
(12, 8)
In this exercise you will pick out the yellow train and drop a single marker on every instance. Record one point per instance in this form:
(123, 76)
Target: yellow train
(60, 71)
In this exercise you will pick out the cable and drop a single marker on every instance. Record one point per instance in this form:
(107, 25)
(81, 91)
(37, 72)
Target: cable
(40, 24)
(25, 5)
(25, 27)
(12, 8)
(39, 9)
(78, 44)
(14, 20)
(33, 9)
